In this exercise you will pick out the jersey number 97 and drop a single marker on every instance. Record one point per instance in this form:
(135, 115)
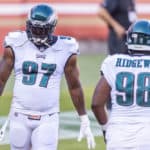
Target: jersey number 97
(30, 71)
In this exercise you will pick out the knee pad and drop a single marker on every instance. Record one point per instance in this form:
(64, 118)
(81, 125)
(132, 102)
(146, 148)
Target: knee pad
(19, 135)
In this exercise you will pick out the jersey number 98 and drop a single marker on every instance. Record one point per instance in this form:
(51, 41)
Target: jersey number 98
(133, 88)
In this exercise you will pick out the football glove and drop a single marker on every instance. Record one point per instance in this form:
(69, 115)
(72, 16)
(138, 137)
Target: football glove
(104, 127)
(85, 131)
(3, 129)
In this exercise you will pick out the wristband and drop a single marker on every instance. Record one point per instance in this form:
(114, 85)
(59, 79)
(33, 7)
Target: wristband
(104, 126)
(84, 118)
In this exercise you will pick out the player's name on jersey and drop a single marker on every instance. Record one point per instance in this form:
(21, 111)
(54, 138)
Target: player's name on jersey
(134, 63)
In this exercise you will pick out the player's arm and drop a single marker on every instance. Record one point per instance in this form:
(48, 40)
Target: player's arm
(6, 66)
(105, 14)
(76, 92)
(100, 97)
(74, 85)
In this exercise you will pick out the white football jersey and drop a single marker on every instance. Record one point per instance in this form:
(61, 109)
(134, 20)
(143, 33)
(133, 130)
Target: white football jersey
(38, 73)
(129, 79)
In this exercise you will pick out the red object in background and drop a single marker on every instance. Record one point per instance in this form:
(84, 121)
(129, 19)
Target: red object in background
(80, 25)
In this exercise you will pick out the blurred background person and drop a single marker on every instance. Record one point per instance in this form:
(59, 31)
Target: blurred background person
(118, 14)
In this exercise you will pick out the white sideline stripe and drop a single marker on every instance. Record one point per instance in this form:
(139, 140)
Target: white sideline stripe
(69, 126)
(68, 8)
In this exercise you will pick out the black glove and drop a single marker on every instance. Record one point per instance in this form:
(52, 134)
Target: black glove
(104, 127)
(104, 135)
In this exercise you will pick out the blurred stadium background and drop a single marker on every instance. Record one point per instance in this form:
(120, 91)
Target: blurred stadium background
(77, 18)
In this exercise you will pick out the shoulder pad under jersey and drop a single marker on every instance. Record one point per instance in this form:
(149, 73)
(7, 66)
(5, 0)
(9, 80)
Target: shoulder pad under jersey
(108, 62)
(15, 39)
(67, 43)
(110, 59)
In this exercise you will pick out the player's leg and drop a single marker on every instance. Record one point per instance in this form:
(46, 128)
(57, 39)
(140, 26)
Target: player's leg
(45, 136)
(19, 133)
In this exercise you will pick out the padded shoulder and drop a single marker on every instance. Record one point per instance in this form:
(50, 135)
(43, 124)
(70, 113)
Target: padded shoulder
(15, 39)
(107, 63)
(110, 59)
(67, 43)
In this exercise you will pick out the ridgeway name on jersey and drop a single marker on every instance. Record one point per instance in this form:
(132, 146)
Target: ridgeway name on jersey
(129, 86)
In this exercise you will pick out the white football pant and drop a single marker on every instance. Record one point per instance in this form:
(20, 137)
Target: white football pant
(39, 134)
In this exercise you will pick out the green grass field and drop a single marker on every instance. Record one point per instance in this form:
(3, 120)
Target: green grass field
(89, 74)
(71, 144)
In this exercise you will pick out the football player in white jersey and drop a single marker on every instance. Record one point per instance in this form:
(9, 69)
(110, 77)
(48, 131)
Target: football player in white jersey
(126, 78)
(39, 60)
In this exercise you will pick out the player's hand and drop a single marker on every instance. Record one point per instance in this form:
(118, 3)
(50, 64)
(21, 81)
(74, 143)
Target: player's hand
(104, 134)
(104, 127)
(3, 130)
(120, 30)
(85, 131)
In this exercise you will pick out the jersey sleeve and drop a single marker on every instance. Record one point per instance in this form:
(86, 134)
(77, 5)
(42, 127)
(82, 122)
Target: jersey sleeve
(106, 69)
(110, 5)
(74, 48)
(8, 40)
(14, 39)
(67, 44)
(71, 45)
